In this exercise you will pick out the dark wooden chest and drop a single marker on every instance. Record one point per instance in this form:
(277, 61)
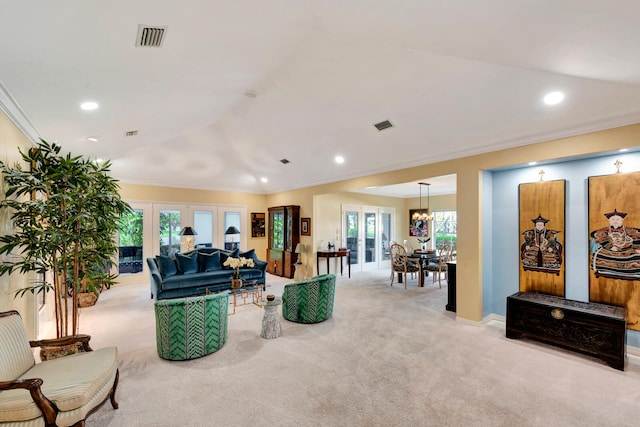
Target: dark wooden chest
(597, 330)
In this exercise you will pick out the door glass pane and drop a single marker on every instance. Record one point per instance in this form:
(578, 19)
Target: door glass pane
(385, 226)
(130, 243)
(232, 241)
(203, 225)
(169, 232)
(278, 230)
(351, 227)
(370, 236)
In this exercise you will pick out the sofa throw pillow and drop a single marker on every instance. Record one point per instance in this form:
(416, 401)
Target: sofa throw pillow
(226, 254)
(209, 262)
(250, 254)
(166, 265)
(187, 264)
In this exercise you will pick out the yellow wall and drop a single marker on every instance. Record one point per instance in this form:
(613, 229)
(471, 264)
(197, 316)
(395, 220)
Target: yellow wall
(11, 138)
(469, 195)
(328, 213)
(325, 214)
(324, 210)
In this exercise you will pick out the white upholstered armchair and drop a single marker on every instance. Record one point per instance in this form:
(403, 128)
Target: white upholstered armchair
(58, 392)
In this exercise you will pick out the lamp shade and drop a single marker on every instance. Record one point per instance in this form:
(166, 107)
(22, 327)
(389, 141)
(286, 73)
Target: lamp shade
(232, 230)
(188, 231)
(300, 248)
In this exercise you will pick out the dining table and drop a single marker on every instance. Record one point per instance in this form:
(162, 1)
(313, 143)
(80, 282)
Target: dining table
(424, 257)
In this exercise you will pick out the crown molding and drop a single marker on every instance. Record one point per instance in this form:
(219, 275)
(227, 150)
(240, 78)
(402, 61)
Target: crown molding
(10, 106)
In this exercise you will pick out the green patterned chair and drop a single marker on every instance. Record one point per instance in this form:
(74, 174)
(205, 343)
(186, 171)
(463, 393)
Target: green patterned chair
(192, 327)
(309, 301)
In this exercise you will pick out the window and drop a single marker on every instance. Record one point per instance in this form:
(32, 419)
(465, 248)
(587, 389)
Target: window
(231, 219)
(445, 226)
(130, 242)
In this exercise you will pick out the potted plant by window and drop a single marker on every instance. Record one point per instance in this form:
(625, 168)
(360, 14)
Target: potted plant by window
(65, 212)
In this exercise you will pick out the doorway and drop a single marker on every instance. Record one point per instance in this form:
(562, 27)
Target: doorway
(366, 233)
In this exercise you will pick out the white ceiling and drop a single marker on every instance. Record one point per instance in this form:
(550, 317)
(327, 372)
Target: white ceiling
(454, 77)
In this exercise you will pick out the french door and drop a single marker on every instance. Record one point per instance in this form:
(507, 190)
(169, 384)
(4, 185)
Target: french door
(209, 222)
(366, 231)
(154, 228)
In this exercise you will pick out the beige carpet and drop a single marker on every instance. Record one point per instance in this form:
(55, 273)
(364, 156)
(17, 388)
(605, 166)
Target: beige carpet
(388, 357)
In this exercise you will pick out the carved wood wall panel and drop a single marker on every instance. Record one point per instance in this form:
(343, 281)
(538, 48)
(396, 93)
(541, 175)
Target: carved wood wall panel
(614, 242)
(542, 237)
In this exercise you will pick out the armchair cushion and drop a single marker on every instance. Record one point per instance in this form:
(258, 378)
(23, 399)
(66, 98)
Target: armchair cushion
(69, 382)
(16, 356)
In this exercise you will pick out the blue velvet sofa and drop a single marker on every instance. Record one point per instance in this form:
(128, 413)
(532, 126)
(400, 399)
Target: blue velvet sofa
(198, 272)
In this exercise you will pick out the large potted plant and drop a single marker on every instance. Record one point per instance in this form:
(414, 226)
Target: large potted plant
(65, 211)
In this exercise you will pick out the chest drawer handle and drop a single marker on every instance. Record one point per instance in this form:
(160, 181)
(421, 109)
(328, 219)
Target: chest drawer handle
(557, 314)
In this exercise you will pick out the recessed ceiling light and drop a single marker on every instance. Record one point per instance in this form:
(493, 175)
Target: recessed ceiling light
(91, 139)
(553, 98)
(263, 179)
(622, 150)
(533, 163)
(89, 105)
(339, 159)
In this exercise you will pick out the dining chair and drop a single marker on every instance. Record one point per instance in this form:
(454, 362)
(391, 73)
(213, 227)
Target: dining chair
(439, 264)
(409, 249)
(402, 264)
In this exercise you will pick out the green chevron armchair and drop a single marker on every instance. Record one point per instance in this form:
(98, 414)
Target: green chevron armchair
(192, 327)
(309, 301)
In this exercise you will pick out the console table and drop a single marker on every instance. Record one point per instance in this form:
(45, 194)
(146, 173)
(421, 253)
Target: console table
(594, 329)
(334, 253)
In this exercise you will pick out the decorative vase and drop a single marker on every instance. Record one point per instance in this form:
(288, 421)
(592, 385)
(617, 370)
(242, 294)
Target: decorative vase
(236, 283)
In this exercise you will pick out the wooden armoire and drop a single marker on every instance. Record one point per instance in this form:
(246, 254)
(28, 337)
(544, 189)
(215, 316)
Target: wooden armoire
(284, 235)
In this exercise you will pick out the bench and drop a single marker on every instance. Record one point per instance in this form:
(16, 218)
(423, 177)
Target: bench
(593, 329)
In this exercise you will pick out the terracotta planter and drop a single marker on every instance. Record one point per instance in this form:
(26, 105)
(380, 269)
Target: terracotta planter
(87, 299)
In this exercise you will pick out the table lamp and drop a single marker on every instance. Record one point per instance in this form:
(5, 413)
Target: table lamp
(232, 231)
(189, 232)
(301, 271)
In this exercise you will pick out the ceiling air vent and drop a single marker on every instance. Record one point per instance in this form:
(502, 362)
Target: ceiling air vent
(131, 133)
(150, 36)
(284, 161)
(383, 125)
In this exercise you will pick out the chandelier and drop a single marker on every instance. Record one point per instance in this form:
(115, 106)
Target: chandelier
(424, 215)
